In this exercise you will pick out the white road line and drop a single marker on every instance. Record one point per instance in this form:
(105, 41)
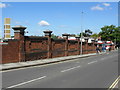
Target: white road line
(70, 69)
(26, 82)
(77, 62)
(103, 59)
(92, 62)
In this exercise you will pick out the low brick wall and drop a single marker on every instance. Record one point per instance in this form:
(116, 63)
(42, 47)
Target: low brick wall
(10, 51)
(58, 48)
(34, 48)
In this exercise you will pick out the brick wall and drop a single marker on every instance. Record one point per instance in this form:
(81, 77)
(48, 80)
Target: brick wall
(37, 48)
(72, 47)
(91, 48)
(84, 47)
(10, 51)
(58, 48)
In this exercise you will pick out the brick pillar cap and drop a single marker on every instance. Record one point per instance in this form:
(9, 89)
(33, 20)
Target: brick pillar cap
(47, 31)
(65, 34)
(18, 27)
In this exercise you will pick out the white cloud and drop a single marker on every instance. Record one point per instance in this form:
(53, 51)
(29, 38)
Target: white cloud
(43, 23)
(106, 4)
(97, 8)
(2, 5)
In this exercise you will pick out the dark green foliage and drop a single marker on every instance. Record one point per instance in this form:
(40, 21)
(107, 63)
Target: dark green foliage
(87, 33)
(95, 36)
(109, 33)
(54, 36)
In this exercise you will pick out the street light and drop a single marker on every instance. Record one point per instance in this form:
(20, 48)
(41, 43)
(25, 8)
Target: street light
(81, 32)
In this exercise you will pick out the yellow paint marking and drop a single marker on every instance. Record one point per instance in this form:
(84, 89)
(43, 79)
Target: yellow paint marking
(114, 84)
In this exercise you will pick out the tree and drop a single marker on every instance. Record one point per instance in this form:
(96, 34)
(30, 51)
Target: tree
(116, 35)
(54, 36)
(95, 35)
(82, 34)
(107, 32)
(110, 33)
(87, 33)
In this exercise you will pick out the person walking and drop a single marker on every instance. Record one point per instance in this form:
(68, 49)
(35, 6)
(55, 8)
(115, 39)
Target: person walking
(97, 50)
(103, 48)
(109, 48)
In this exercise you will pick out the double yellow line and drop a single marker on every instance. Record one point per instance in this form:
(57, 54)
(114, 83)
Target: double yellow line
(114, 84)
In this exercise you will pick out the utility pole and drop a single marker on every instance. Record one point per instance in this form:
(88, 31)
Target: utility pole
(81, 31)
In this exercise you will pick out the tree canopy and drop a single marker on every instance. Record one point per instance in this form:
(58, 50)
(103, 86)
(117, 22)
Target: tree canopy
(95, 35)
(87, 33)
(54, 36)
(110, 33)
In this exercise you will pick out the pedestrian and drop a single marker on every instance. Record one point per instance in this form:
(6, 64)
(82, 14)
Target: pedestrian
(104, 49)
(109, 48)
(97, 49)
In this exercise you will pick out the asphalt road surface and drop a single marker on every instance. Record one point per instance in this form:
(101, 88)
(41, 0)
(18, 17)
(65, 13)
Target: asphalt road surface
(91, 72)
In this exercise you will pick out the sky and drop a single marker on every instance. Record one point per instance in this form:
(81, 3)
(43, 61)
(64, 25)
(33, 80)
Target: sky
(60, 17)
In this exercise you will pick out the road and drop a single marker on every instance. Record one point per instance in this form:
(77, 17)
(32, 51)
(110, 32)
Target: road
(91, 72)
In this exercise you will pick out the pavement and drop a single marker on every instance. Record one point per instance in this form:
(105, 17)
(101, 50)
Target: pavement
(42, 61)
(98, 71)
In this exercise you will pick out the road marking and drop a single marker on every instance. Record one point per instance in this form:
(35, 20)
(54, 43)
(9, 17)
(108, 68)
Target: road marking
(26, 82)
(70, 69)
(103, 59)
(92, 62)
(114, 84)
(77, 62)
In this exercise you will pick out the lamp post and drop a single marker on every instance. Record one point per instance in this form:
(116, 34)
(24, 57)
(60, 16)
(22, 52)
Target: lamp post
(81, 32)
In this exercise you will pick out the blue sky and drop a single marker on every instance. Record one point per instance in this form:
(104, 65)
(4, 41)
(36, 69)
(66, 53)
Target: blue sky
(60, 17)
